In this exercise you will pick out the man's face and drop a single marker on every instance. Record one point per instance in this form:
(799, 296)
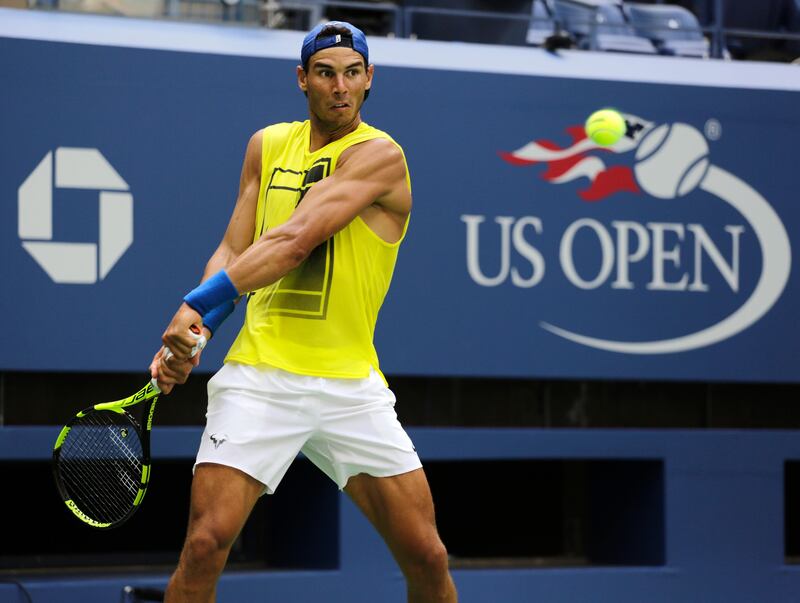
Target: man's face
(336, 81)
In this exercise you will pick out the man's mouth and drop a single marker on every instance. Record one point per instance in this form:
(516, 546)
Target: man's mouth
(339, 106)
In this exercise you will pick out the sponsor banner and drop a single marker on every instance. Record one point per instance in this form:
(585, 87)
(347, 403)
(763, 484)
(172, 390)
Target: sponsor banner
(532, 252)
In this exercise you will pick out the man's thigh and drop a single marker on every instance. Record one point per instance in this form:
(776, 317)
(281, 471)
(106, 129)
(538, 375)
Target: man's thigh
(222, 500)
(400, 507)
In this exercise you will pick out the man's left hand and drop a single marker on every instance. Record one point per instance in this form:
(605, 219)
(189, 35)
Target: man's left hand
(168, 371)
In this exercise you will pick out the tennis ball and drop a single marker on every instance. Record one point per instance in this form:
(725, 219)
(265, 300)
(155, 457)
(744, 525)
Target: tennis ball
(605, 127)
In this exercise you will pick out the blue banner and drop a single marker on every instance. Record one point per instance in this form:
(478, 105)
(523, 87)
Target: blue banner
(532, 252)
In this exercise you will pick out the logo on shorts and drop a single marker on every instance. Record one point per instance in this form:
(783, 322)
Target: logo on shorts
(218, 439)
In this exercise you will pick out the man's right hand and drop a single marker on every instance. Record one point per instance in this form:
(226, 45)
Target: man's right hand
(170, 371)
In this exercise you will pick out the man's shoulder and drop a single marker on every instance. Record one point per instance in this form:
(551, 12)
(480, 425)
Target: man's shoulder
(377, 133)
(380, 147)
(367, 139)
(380, 155)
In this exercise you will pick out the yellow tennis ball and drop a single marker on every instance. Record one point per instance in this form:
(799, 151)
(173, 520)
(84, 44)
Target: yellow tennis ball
(605, 127)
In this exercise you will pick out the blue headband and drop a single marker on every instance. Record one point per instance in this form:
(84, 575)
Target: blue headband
(312, 44)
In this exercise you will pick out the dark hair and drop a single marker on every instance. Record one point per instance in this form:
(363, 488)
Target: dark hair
(347, 41)
(333, 30)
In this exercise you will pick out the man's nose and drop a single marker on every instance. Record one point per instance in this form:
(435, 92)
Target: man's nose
(339, 83)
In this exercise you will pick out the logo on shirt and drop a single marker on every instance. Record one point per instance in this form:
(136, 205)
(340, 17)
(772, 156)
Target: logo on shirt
(305, 291)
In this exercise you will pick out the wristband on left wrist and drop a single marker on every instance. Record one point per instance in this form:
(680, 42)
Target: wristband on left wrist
(213, 319)
(212, 293)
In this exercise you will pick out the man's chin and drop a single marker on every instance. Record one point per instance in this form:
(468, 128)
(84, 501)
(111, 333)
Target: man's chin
(341, 120)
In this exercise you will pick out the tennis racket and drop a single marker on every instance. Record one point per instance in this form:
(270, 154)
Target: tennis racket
(101, 458)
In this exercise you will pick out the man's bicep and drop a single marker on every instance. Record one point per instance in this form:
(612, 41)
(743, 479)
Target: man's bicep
(377, 164)
(331, 205)
(366, 178)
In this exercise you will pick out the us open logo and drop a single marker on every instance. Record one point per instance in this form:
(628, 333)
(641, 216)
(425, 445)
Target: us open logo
(71, 262)
(670, 161)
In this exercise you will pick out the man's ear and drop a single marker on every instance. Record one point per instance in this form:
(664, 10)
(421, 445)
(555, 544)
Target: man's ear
(302, 82)
(370, 72)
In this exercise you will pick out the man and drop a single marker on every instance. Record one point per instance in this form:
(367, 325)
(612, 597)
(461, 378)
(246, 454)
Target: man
(323, 206)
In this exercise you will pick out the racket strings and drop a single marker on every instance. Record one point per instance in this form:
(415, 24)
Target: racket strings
(101, 465)
(132, 457)
(93, 491)
(98, 503)
(88, 475)
(102, 487)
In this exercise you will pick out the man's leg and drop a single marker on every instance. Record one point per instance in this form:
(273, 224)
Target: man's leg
(222, 499)
(401, 509)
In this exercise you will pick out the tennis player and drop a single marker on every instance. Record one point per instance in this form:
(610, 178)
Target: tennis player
(323, 207)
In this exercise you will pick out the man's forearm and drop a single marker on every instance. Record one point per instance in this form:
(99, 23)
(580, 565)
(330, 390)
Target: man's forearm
(261, 264)
(265, 262)
(221, 259)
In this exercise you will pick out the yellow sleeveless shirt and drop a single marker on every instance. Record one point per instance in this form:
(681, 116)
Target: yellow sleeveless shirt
(319, 319)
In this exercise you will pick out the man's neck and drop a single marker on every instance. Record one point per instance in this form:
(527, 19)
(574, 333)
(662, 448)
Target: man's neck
(322, 135)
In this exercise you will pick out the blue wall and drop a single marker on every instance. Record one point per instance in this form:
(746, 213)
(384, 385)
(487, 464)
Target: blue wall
(531, 252)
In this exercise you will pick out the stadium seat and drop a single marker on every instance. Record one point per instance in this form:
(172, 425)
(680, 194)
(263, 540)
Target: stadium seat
(542, 24)
(600, 25)
(673, 29)
(794, 26)
(295, 14)
(763, 15)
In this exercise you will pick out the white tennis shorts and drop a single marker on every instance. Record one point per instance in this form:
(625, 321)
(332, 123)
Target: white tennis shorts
(259, 418)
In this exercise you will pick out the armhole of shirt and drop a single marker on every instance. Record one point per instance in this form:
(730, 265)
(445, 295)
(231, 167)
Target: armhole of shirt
(372, 134)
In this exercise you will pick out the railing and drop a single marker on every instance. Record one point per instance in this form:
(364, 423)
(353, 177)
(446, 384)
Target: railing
(402, 18)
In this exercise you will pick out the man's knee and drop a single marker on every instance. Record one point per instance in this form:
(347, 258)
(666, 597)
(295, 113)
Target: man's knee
(429, 559)
(436, 558)
(205, 545)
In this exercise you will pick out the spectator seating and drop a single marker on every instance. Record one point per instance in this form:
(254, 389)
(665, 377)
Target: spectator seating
(794, 26)
(673, 29)
(542, 24)
(600, 25)
(763, 15)
(296, 14)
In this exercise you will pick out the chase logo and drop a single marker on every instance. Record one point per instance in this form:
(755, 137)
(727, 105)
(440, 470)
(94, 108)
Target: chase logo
(669, 162)
(71, 262)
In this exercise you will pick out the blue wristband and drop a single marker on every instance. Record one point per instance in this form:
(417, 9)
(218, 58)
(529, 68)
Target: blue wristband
(212, 293)
(216, 317)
